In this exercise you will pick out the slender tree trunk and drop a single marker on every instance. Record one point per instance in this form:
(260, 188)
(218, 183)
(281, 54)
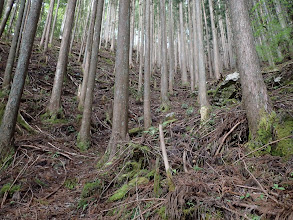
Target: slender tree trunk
(11, 111)
(84, 134)
(54, 23)
(171, 46)
(208, 42)
(184, 77)
(13, 15)
(215, 43)
(164, 64)
(191, 56)
(12, 51)
(147, 71)
(141, 53)
(23, 24)
(132, 28)
(195, 43)
(254, 92)
(48, 23)
(112, 48)
(49, 26)
(121, 94)
(75, 25)
(4, 19)
(55, 101)
(84, 37)
(88, 55)
(202, 90)
(1, 7)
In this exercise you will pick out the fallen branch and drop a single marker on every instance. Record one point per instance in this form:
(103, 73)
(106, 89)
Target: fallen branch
(165, 158)
(224, 138)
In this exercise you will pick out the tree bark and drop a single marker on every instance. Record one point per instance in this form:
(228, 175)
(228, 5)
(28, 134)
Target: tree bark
(254, 92)
(147, 70)
(171, 48)
(12, 51)
(54, 22)
(49, 26)
(55, 101)
(184, 77)
(88, 55)
(132, 28)
(4, 19)
(1, 7)
(121, 94)
(191, 56)
(215, 43)
(202, 90)
(164, 64)
(84, 134)
(141, 52)
(10, 115)
(208, 41)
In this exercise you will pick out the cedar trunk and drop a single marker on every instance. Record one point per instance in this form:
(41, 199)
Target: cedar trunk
(121, 94)
(254, 92)
(10, 115)
(84, 134)
(55, 101)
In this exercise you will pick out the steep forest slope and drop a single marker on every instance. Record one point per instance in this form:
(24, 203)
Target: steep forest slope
(214, 175)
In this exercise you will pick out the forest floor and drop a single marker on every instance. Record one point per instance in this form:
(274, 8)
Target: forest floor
(213, 171)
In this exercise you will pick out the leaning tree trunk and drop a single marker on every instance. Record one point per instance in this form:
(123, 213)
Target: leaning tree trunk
(8, 8)
(84, 137)
(1, 7)
(12, 51)
(10, 115)
(121, 94)
(49, 26)
(55, 101)
(88, 54)
(254, 92)
(54, 23)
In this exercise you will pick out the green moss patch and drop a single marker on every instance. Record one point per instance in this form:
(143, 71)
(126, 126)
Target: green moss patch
(11, 190)
(120, 193)
(272, 128)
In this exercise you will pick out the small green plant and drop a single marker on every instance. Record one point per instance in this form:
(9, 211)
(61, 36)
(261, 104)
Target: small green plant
(245, 197)
(70, 183)
(197, 168)
(82, 204)
(190, 110)
(276, 186)
(184, 106)
(40, 182)
(56, 155)
(11, 190)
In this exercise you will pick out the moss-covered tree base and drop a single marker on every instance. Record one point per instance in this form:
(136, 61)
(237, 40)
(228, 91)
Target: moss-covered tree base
(81, 144)
(274, 128)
